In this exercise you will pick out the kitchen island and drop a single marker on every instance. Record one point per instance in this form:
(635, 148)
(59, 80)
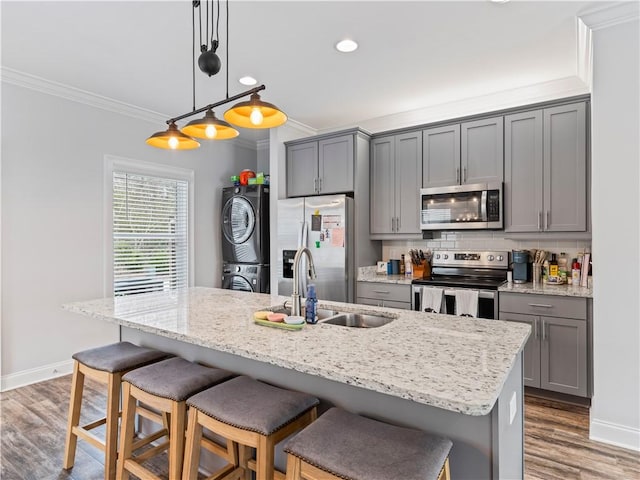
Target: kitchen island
(458, 377)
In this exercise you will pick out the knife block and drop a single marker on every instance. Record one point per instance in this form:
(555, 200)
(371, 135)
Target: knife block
(423, 270)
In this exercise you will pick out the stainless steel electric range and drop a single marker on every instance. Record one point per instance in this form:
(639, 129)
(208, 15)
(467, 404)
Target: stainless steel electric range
(483, 271)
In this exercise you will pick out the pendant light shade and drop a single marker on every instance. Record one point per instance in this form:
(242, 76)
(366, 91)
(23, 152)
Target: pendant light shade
(255, 113)
(210, 128)
(172, 139)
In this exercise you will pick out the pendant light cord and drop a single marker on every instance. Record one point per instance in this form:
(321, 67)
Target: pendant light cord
(193, 54)
(227, 48)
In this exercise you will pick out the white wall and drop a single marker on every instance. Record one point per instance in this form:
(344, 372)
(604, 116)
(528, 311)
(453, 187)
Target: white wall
(52, 220)
(615, 416)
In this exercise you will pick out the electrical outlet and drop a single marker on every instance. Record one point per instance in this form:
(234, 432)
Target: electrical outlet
(513, 408)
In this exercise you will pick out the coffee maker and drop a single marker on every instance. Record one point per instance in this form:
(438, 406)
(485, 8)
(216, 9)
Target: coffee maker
(521, 266)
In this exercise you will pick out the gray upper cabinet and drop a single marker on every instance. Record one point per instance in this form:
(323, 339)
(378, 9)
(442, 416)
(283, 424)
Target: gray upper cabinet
(565, 168)
(320, 167)
(482, 158)
(467, 153)
(302, 169)
(441, 156)
(396, 176)
(546, 170)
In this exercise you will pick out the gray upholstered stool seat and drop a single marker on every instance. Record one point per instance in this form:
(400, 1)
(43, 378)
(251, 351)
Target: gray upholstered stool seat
(165, 386)
(251, 414)
(119, 357)
(352, 447)
(107, 365)
(175, 378)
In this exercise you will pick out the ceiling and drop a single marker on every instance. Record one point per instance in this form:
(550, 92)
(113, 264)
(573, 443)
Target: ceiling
(412, 54)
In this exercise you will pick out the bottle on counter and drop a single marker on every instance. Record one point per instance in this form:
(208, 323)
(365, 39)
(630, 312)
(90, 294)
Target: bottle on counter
(311, 304)
(545, 271)
(575, 272)
(408, 268)
(563, 269)
(553, 269)
(402, 264)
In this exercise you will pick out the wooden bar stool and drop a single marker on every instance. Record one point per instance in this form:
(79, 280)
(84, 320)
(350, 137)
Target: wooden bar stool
(106, 365)
(163, 386)
(251, 414)
(342, 445)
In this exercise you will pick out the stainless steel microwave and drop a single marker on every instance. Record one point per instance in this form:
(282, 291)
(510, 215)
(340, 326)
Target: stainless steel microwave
(462, 207)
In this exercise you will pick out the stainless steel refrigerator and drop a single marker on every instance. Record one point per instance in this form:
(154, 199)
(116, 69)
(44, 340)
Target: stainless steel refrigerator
(324, 224)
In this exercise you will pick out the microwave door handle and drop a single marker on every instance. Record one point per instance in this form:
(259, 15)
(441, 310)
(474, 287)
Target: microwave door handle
(483, 206)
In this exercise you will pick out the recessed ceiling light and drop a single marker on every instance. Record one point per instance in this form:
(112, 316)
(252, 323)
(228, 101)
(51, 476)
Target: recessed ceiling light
(346, 46)
(247, 80)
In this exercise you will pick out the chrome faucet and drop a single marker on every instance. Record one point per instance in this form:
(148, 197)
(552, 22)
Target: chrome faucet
(296, 306)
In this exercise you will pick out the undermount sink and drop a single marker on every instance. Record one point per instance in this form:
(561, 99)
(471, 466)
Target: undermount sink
(358, 320)
(344, 319)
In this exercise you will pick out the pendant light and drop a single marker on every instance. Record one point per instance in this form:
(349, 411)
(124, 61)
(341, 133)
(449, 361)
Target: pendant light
(255, 113)
(172, 139)
(210, 127)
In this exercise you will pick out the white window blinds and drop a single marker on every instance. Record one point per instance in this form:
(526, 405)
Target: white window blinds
(150, 233)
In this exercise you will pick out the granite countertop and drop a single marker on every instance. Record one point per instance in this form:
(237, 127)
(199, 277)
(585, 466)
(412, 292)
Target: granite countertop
(368, 274)
(548, 289)
(453, 363)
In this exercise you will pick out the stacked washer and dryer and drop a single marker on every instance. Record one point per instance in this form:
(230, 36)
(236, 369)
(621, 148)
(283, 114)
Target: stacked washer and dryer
(245, 238)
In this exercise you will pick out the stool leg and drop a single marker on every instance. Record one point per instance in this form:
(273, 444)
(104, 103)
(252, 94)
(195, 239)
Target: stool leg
(264, 459)
(111, 439)
(294, 467)
(126, 431)
(75, 404)
(192, 448)
(244, 455)
(176, 447)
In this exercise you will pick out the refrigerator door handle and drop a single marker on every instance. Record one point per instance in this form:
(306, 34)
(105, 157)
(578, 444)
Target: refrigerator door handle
(304, 266)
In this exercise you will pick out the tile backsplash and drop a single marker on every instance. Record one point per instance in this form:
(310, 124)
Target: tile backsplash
(482, 240)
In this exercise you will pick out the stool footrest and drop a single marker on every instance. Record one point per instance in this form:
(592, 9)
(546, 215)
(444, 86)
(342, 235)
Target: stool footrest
(148, 439)
(89, 437)
(152, 452)
(92, 425)
(139, 470)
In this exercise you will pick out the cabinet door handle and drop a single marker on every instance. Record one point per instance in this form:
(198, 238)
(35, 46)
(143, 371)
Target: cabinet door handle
(398, 224)
(543, 305)
(548, 223)
(539, 220)
(464, 175)
(319, 184)
(386, 292)
(544, 335)
(535, 328)
(393, 224)
(458, 175)
(315, 185)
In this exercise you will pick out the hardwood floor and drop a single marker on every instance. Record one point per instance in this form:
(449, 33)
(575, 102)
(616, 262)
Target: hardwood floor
(33, 421)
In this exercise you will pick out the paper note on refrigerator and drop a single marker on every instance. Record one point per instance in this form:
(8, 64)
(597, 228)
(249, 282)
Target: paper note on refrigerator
(337, 237)
(331, 221)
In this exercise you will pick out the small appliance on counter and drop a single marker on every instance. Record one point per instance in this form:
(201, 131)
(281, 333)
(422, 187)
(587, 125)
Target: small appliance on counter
(521, 266)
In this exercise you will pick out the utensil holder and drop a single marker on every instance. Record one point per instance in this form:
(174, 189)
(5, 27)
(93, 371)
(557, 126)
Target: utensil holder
(537, 274)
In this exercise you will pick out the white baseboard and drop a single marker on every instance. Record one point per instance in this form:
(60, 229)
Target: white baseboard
(614, 434)
(35, 375)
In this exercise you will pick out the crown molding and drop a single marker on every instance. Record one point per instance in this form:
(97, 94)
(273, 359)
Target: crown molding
(49, 87)
(611, 15)
(263, 144)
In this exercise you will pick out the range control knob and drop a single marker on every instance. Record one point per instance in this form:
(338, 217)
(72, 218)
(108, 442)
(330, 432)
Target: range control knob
(238, 268)
(437, 256)
(490, 258)
(446, 256)
(499, 258)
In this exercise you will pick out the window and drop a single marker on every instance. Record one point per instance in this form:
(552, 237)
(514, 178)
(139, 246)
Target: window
(150, 230)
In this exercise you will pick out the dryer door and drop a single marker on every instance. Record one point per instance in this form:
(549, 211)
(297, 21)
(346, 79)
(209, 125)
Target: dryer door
(237, 282)
(239, 239)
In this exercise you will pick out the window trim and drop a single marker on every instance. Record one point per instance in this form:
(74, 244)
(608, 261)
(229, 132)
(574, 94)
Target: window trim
(114, 163)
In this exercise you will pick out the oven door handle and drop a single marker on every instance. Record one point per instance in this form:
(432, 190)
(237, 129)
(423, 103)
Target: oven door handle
(481, 293)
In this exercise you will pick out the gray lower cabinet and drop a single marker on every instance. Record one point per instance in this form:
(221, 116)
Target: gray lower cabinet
(384, 295)
(467, 153)
(546, 170)
(556, 356)
(396, 176)
(321, 167)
